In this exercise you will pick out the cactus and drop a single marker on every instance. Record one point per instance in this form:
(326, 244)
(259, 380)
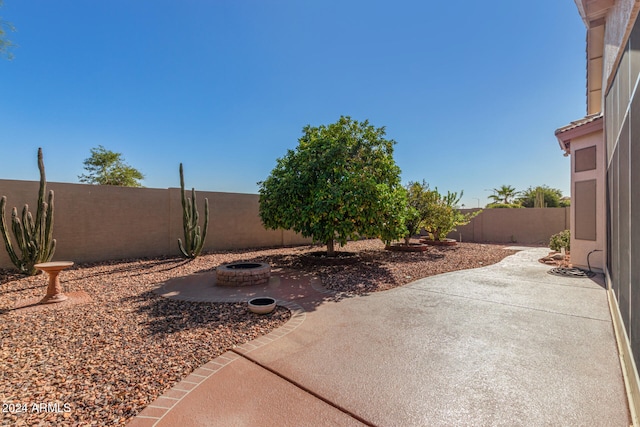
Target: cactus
(34, 239)
(193, 236)
(539, 200)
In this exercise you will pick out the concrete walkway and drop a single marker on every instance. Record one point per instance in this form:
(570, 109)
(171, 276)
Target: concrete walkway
(506, 344)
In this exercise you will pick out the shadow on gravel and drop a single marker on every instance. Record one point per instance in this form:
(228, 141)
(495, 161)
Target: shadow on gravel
(7, 276)
(137, 268)
(25, 288)
(351, 272)
(166, 316)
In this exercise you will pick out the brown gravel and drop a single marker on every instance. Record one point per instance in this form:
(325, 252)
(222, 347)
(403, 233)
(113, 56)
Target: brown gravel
(108, 359)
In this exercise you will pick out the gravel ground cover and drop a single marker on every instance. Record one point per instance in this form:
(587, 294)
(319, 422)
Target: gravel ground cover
(101, 363)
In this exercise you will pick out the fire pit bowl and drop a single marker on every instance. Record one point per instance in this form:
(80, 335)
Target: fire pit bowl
(243, 274)
(262, 305)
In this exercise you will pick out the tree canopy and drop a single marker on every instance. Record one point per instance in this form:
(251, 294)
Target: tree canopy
(105, 167)
(540, 197)
(5, 43)
(504, 194)
(419, 198)
(341, 182)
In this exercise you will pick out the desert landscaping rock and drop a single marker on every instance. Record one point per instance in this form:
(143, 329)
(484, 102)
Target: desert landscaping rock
(102, 362)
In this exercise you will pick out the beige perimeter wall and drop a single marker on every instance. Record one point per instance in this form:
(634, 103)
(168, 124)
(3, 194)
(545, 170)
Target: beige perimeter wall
(525, 225)
(95, 223)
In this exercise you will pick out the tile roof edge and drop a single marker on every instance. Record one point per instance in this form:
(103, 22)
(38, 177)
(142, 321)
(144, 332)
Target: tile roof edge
(580, 122)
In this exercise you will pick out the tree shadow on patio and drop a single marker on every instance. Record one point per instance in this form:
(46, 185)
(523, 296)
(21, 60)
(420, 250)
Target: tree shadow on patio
(167, 316)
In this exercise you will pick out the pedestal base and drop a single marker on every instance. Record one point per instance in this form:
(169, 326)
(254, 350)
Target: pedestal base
(54, 290)
(53, 299)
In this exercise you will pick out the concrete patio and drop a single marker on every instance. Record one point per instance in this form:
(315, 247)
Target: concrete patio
(507, 344)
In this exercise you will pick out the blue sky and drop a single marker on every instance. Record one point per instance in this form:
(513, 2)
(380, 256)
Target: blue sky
(471, 91)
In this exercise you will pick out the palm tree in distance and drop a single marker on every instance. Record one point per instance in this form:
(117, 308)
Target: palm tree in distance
(504, 194)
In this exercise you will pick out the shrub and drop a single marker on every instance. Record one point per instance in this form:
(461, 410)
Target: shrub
(503, 205)
(541, 197)
(443, 215)
(561, 240)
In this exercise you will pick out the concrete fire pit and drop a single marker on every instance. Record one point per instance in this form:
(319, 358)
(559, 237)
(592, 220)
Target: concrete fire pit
(243, 274)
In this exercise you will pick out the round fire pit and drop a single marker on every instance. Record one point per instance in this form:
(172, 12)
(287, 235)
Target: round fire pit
(243, 274)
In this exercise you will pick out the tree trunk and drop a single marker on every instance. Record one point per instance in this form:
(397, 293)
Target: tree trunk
(407, 240)
(330, 248)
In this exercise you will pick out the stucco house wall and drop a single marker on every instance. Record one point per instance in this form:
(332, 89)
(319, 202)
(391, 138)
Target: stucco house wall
(613, 40)
(581, 248)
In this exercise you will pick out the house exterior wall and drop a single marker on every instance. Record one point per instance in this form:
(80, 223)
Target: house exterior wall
(622, 123)
(620, 53)
(580, 248)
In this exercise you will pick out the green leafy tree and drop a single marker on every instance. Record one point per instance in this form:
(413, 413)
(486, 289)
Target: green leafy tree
(541, 196)
(504, 194)
(443, 214)
(418, 198)
(340, 183)
(396, 215)
(105, 167)
(5, 43)
(565, 202)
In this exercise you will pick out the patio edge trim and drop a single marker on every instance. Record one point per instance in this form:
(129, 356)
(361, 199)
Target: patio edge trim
(627, 364)
(298, 316)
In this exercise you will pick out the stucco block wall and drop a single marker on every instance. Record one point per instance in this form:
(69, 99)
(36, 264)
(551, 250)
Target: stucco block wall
(580, 248)
(526, 225)
(95, 223)
(234, 222)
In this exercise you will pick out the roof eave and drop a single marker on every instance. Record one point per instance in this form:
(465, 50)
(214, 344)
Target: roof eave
(577, 129)
(593, 10)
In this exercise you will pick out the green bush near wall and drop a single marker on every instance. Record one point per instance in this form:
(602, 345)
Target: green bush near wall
(503, 205)
(561, 240)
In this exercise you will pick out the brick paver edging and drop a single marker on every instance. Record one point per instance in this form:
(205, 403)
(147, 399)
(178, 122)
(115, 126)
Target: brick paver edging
(156, 410)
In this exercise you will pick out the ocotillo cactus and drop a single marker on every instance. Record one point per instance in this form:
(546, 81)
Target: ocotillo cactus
(193, 236)
(34, 239)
